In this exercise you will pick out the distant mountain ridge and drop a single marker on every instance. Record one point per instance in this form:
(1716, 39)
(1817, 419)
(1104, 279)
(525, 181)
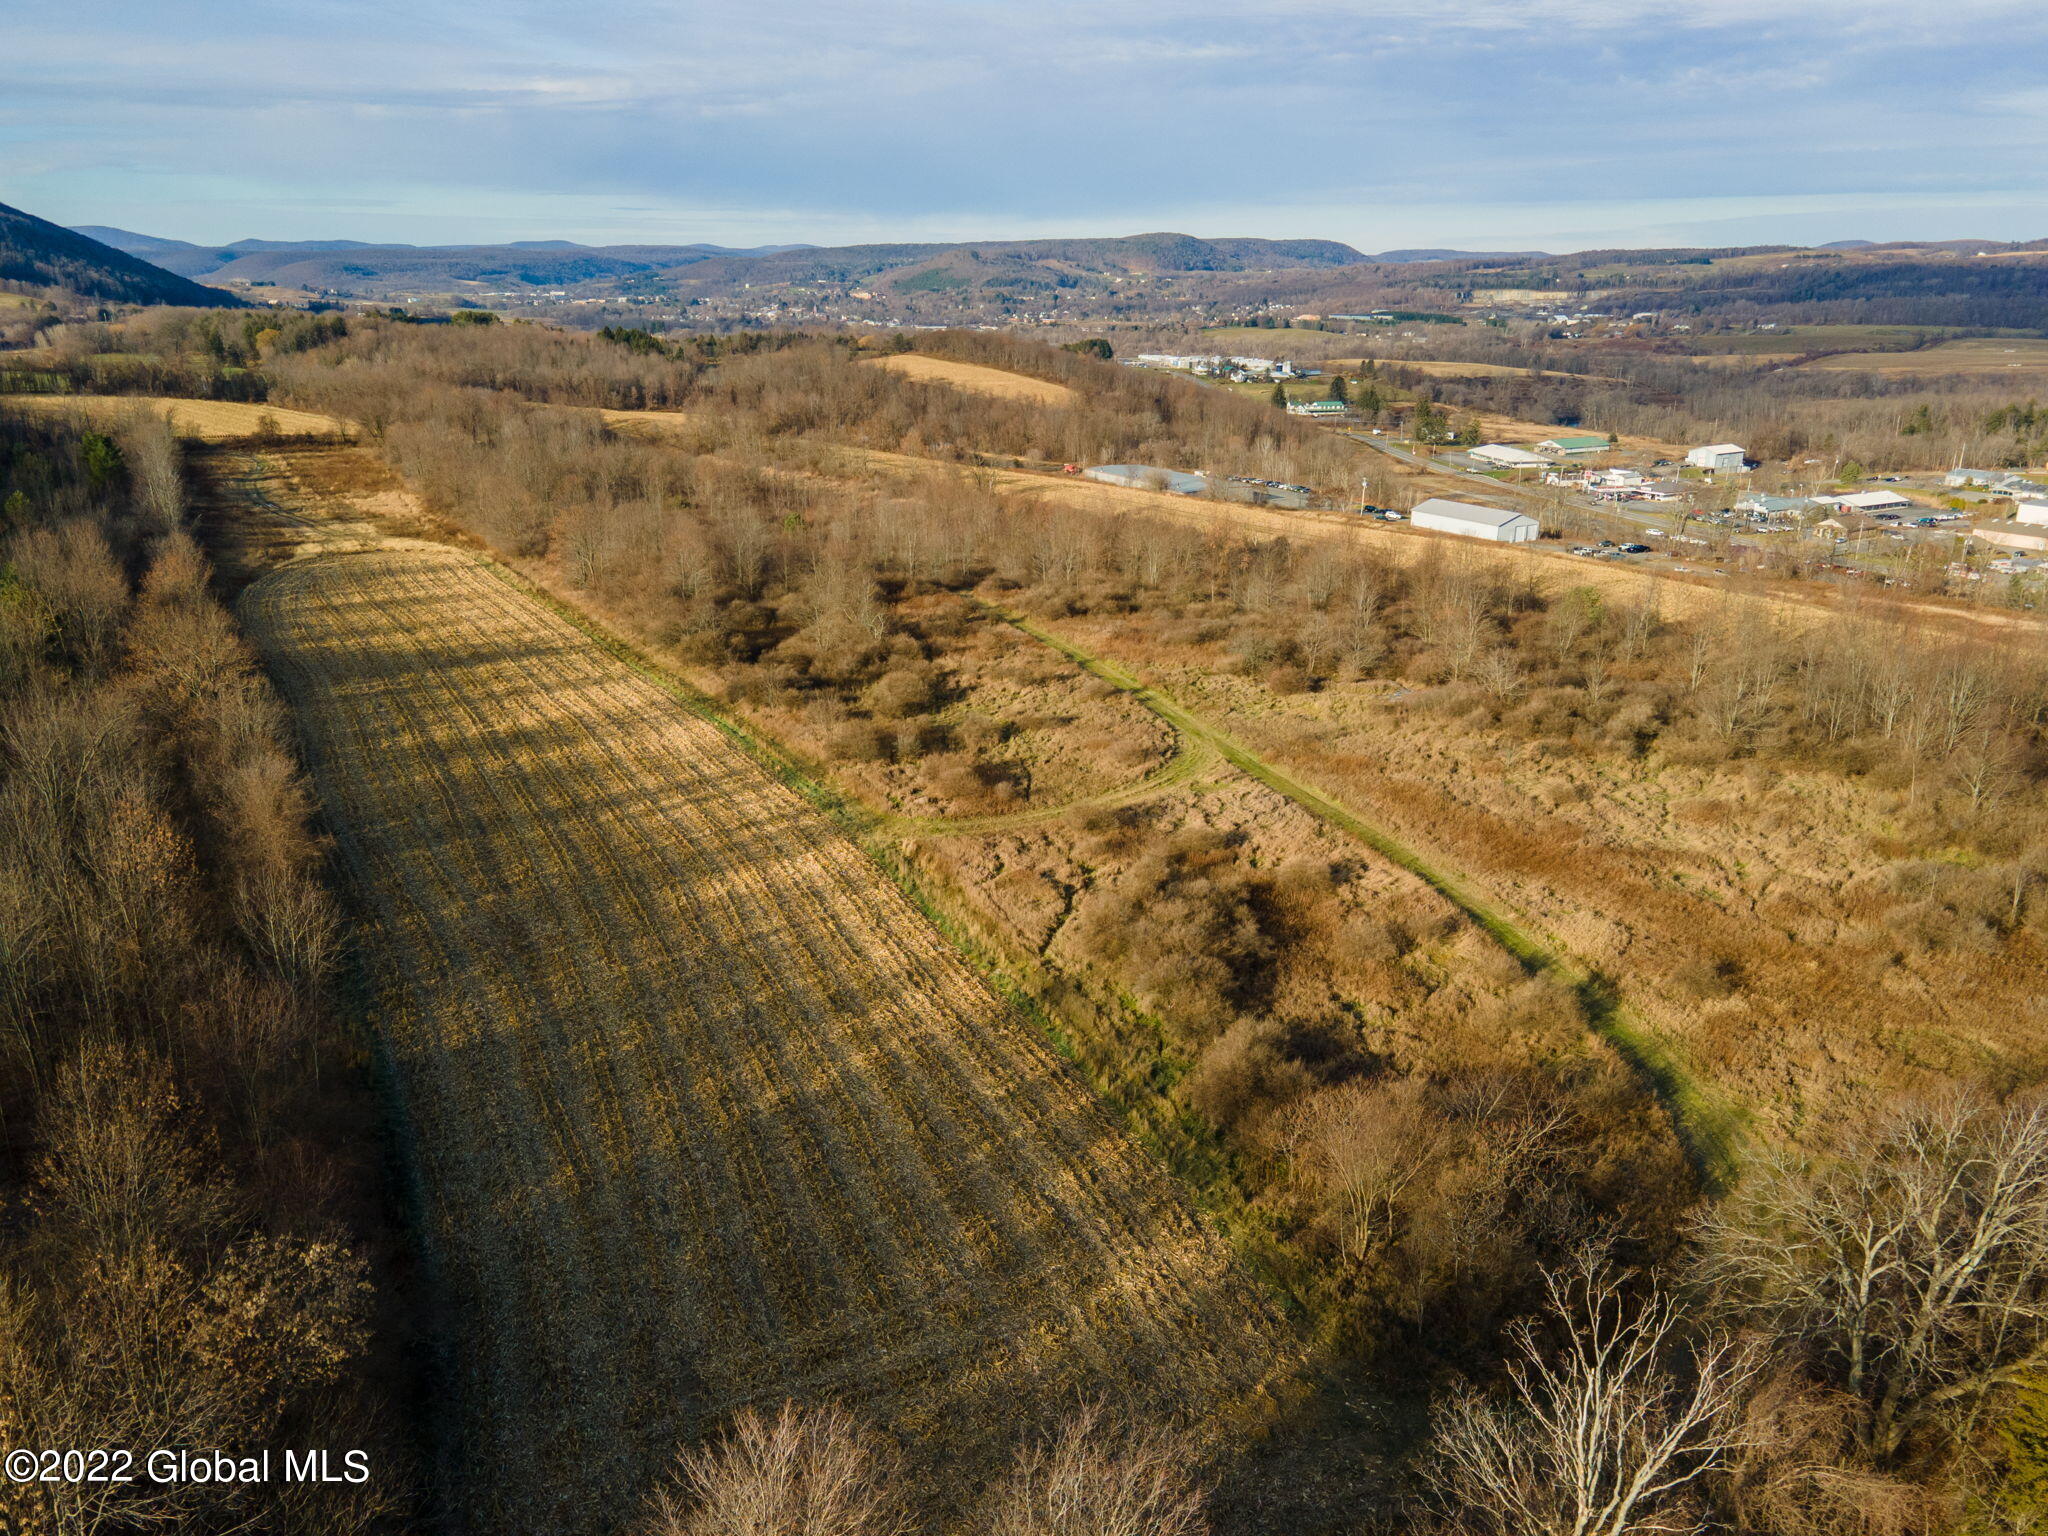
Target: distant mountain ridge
(34, 250)
(237, 257)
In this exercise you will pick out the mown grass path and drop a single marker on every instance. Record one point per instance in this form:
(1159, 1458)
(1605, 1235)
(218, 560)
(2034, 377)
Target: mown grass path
(1709, 1128)
(699, 1109)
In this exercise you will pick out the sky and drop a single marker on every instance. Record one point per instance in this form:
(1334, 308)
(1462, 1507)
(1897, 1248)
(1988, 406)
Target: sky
(1479, 124)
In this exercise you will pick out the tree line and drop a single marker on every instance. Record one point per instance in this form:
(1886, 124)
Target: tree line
(194, 1234)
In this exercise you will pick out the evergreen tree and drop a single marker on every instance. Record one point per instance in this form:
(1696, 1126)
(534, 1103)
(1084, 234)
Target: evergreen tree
(1280, 394)
(1338, 391)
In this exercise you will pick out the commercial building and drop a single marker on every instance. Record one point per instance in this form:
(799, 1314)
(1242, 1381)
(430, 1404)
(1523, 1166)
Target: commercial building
(1718, 456)
(1865, 501)
(1967, 479)
(1506, 456)
(1474, 521)
(2035, 512)
(1572, 447)
(1774, 506)
(2012, 535)
(1317, 408)
(1148, 477)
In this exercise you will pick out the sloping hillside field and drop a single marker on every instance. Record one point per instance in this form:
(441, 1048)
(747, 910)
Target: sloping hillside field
(701, 1110)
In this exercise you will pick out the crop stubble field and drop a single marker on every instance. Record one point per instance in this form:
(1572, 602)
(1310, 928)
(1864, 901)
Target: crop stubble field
(700, 1110)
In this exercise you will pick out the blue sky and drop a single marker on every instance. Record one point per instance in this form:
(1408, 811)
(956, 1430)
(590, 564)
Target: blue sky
(1489, 124)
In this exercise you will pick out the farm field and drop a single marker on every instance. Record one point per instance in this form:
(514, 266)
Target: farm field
(200, 420)
(999, 383)
(700, 1110)
(1454, 370)
(1976, 356)
(1794, 339)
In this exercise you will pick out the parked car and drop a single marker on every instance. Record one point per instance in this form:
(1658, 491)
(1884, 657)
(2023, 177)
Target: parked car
(1635, 549)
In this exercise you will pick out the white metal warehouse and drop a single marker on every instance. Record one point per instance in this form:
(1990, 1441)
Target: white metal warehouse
(1507, 456)
(1474, 521)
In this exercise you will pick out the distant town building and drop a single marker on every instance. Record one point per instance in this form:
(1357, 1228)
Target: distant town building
(1774, 506)
(2012, 535)
(1474, 521)
(1506, 456)
(1317, 408)
(1865, 501)
(2035, 512)
(1973, 479)
(1718, 456)
(1148, 477)
(1572, 447)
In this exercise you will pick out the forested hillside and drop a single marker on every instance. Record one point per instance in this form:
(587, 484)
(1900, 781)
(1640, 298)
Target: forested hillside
(45, 255)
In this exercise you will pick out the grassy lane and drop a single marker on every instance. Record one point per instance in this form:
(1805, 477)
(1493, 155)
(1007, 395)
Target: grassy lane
(1710, 1128)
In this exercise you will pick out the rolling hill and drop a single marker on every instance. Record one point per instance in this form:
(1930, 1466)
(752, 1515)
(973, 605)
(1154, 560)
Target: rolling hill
(33, 250)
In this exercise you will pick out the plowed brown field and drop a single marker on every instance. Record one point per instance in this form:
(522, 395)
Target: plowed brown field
(700, 1110)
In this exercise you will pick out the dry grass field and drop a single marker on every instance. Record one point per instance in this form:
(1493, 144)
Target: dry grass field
(700, 1110)
(1453, 370)
(1977, 356)
(1654, 873)
(996, 382)
(200, 420)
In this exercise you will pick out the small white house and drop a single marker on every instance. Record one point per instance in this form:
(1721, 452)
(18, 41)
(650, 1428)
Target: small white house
(1474, 521)
(2031, 512)
(1506, 456)
(1718, 456)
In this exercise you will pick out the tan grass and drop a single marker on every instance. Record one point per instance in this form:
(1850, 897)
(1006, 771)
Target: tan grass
(1438, 369)
(996, 382)
(203, 420)
(701, 1111)
(1977, 355)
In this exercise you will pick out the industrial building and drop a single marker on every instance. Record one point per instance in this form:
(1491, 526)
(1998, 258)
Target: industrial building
(1572, 447)
(2035, 512)
(1148, 477)
(2012, 535)
(1718, 456)
(1474, 521)
(1506, 456)
(1865, 501)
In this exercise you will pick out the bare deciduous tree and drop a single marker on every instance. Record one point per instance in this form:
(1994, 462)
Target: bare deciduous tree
(804, 1472)
(1101, 1477)
(1610, 1435)
(1912, 1267)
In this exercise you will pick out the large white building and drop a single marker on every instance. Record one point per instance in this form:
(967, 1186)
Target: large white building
(1718, 456)
(1507, 456)
(1865, 501)
(1149, 477)
(1474, 521)
(2031, 512)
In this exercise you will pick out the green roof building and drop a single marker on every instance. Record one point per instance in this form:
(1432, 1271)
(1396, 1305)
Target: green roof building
(1573, 445)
